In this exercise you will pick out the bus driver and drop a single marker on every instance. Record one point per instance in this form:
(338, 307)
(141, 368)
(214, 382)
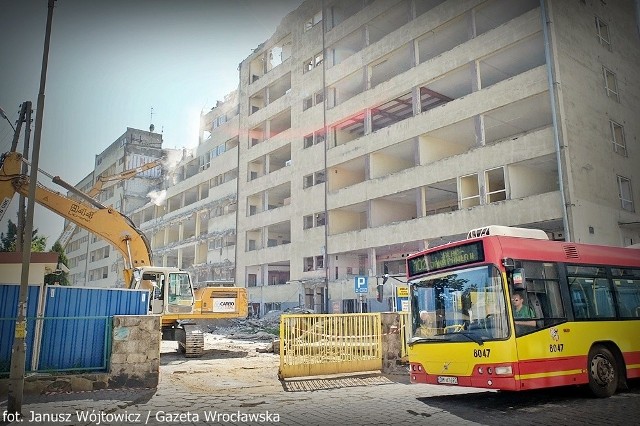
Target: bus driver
(521, 312)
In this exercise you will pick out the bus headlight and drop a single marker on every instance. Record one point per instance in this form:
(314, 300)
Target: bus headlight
(504, 370)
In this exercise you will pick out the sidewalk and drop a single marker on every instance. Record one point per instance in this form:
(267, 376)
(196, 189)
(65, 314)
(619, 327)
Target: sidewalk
(233, 384)
(371, 399)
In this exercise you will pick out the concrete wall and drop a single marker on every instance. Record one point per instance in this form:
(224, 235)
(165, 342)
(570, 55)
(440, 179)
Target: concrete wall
(40, 265)
(585, 110)
(134, 363)
(135, 356)
(392, 361)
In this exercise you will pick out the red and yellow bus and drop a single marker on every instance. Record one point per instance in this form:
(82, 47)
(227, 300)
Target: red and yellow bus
(583, 300)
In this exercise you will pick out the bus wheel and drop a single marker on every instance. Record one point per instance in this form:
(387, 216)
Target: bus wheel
(603, 372)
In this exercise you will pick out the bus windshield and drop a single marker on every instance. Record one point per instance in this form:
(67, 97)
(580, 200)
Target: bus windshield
(464, 305)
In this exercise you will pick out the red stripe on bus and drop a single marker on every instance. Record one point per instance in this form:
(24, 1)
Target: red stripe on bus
(551, 368)
(553, 381)
(568, 363)
(631, 357)
(554, 364)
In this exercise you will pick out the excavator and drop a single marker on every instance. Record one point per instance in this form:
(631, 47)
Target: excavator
(171, 291)
(98, 186)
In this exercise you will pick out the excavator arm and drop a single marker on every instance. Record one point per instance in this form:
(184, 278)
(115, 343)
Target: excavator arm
(127, 174)
(70, 229)
(102, 221)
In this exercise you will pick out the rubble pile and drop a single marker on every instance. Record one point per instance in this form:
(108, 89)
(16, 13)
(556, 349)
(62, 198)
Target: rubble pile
(245, 329)
(265, 329)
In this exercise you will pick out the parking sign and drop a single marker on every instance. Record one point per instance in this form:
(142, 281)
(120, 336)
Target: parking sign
(361, 284)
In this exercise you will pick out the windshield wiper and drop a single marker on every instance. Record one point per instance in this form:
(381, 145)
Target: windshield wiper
(472, 337)
(423, 339)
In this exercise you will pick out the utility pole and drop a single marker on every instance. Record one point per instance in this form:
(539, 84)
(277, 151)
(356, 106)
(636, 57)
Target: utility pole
(18, 351)
(14, 146)
(25, 116)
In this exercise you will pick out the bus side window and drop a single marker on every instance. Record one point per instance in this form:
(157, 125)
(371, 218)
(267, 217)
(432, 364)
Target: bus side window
(543, 292)
(534, 303)
(604, 298)
(579, 300)
(628, 291)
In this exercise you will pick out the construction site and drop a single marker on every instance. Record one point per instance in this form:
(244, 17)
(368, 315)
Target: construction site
(366, 132)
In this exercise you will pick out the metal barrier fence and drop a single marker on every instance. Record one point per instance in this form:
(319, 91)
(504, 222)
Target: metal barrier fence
(313, 345)
(64, 344)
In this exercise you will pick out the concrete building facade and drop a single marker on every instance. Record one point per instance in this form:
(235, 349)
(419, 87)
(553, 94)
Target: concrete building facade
(369, 130)
(92, 261)
(192, 225)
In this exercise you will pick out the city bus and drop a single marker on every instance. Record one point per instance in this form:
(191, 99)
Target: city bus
(583, 304)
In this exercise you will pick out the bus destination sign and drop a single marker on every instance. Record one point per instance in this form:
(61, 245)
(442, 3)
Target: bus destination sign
(446, 258)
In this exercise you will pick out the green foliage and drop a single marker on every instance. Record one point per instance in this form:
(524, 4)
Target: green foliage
(9, 240)
(61, 278)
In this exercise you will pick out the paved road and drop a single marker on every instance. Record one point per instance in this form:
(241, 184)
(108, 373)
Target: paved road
(199, 392)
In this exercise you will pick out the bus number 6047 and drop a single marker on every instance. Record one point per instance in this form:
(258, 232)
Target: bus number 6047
(481, 353)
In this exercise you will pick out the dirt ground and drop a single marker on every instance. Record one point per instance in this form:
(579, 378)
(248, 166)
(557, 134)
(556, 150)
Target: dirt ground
(227, 366)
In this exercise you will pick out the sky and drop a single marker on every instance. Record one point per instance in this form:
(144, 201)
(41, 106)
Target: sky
(110, 63)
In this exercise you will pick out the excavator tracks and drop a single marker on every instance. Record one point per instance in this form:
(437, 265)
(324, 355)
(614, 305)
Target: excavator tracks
(191, 341)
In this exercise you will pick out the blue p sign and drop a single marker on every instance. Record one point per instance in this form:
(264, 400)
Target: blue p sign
(361, 284)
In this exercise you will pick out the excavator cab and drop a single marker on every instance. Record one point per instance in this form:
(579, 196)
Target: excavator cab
(170, 289)
(156, 302)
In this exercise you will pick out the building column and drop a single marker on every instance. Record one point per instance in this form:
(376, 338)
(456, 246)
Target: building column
(264, 272)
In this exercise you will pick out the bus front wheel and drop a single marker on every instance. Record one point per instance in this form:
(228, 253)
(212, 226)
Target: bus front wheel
(603, 372)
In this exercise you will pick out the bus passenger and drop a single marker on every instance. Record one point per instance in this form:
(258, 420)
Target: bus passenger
(521, 313)
(427, 324)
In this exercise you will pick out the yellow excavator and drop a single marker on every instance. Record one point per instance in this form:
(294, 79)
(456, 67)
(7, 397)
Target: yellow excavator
(171, 291)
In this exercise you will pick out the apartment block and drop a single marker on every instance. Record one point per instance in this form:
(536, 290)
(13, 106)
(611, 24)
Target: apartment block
(92, 261)
(192, 223)
(363, 131)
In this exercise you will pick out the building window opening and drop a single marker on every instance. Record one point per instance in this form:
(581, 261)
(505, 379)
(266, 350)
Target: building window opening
(617, 137)
(611, 84)
(602, 30)
(625, 194)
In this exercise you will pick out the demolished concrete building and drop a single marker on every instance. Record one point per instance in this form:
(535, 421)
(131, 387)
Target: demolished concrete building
(366, 131)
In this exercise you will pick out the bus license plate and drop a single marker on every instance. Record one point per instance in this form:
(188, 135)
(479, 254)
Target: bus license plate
(447, 380)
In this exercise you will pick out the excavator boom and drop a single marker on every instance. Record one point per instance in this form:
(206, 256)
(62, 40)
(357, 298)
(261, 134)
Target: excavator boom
(102, 221)
(127, 174)
(70, 229)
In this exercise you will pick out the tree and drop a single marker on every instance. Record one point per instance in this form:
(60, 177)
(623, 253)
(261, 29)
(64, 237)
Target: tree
(58, 277)
(9, 241)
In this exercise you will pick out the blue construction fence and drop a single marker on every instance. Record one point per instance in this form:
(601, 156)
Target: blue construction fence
(68, 328)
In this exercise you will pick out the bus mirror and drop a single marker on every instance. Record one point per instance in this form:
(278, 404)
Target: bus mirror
(517, 278)
(137, 275)
(509, 264)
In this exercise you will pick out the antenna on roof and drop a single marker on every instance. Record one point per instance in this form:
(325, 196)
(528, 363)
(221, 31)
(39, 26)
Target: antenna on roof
(151, 126)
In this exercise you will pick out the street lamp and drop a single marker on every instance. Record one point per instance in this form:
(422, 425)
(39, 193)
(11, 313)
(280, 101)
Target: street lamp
(385, 277)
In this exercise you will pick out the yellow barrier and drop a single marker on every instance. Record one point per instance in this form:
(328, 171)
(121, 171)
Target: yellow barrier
(312, 345)
(404, 321)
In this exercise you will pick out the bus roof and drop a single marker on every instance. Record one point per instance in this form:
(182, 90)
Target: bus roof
(550, 251)
(561, 251)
